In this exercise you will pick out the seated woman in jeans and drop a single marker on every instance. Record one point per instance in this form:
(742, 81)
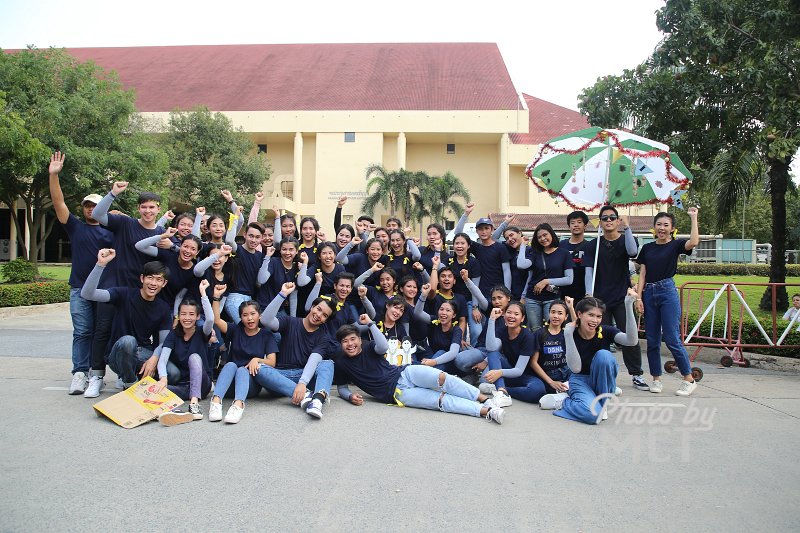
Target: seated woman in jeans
(662, 308)
(444, 335)
(549, 360)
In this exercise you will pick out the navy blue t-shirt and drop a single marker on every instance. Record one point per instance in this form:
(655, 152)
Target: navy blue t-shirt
(127, 267)
(369, 371)
(587, 348)
(244, 347)
(547, 266)
(552, 351)
(523, 345)
(661, 260)
(182, 349)
(247, 266)
(138, 317)
(426, 258)
(278, 276)
(441, 340)
(491, 259)
(86, 240)
(401, 264)
(472, 266)
(297, 343)
(179, 278)
(326, 289)
(612, 278)
(577, 252)
(432, 306)
(518, 276)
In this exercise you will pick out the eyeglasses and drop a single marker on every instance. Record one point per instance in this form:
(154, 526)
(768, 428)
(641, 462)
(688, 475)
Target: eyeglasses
(606, 218)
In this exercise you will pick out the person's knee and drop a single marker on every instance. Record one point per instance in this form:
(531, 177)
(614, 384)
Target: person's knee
(604, 358)
(242, 371)
(442, 378)
(195, 359)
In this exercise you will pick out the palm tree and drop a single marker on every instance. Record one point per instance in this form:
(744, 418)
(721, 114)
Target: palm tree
(438, 195)
(392, 190)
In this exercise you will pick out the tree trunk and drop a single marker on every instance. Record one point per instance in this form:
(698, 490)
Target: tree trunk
(778, 179)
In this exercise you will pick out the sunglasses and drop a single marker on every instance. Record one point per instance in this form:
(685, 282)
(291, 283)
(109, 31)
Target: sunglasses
(606, 218)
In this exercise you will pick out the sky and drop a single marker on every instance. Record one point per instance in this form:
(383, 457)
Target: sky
(552, 50)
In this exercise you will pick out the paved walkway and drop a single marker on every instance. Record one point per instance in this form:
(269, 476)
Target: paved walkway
(722, 460)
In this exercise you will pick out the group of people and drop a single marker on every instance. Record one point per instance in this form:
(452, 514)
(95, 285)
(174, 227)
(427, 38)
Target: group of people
(221, 306)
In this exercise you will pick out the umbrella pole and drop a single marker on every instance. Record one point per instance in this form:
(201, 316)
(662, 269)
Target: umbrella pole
(605, 200)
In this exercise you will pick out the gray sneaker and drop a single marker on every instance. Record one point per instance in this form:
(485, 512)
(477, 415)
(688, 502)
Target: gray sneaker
(489, 389)
(79, 382)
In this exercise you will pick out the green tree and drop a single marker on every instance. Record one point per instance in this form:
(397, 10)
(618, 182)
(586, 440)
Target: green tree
(392, 189)
(54, 102)
(207, 154)
(723, 90)
(436, 196)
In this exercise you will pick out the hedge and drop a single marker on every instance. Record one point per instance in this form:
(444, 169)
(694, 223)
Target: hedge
(43, 292)
(732, 269)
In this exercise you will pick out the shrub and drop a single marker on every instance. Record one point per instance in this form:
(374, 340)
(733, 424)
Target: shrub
(45, 292)
(19, 271)
(732, 269)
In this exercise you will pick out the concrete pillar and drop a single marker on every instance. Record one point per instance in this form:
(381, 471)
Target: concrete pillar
(12, 237)
(298, 169)
(401, 150)
(503, 173)
(41, 238)
(29, 214)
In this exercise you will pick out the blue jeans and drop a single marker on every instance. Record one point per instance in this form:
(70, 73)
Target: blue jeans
(475, 328)
(662, 315)
(525, 387)
(82, 312)
(583, 389)
(449, 367)
(245, 385)
(470, 357)
(537, 312)
(419, 387)
(283, 381)
(126, 358)
(232, 304)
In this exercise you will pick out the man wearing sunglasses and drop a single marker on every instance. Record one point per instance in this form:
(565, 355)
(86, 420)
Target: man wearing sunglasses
(613, 280)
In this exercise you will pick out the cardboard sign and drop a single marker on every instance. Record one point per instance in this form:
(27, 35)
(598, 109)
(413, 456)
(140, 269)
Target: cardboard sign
(138, 404)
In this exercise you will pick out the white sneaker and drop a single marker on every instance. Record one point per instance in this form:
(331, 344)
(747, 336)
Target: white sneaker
(315, 409)
(553, 401)
(234, 414)
(656, 386)
(78, 385)
(215, 412)
(96, 384)
(489, 389)
(604, 413)
(496, 414)
(501, 399)
(686, 388)
(617, 392)
(306, 400)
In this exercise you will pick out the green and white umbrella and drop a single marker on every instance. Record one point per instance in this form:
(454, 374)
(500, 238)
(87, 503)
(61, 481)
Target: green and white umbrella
(596, 166)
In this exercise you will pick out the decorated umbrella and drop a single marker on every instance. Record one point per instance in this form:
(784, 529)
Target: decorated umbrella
(595, 166)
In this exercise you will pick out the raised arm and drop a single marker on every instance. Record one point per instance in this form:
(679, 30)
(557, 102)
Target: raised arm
(506, 274)
(522, 258)
(631, 335)
(208, 311)
(337, 215)
(269, 318)
(502, 227)
(342, 256)
(219, 290)
(419, 307)
(100, 212)
(89, 291)
(477, 296)
(368, 307)
(303, 278)
(694, 236)
(462, 221)
(493, 344)
(256, 209)
(148, 245)
(413, 250)
(199, 213)
(630, 242)
(263, 273)
(314, 294)
(56, 194)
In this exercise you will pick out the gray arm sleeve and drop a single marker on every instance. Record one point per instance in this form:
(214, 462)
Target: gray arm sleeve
(208, 311)
(148, 245)
(413, 249)
(198, 221)
(569, 276)
(419, 310)
(277, 227)
(362, 278)
(161, 222)
(507, 274)
(519, 368)
(496, 234)
(302, 276)
(344, 392)
(381, 344)
(293, 303)
(426, 278)
(178, 299)
(100, 212)
(163, 359)
(269, 318)
(460, 224)
(263, 272)
(527, 282)
(587, 279)
(573, 357)
(522, 261)
(477, 296)
(201, 267)
(89, 291)
(369, 308)
(239, 217)
(310, 368)
(493, 344)
(342, 255)
(449, 355)
(631, 335)
(230, 235)
(630, 243)
(313, 295)
(162, 336)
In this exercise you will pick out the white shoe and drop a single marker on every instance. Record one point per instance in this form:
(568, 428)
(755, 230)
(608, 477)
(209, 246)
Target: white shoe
(96, 384)
(489, 389)
(501, 399)
(553, 401)
(496, 414)
(604, 413)
(78, 385)
(234, 414)
(617, 392)
(215, 412)
(686, 388)
(656, 386)
(306, 400)
(121, 384)
(315, 409)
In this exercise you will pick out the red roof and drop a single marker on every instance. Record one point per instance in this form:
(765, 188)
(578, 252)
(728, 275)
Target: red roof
(548, 120)
(294, 77)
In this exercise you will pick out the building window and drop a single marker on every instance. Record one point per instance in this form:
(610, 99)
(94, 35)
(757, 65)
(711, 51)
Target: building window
(262, 148)
(349, 136)
(451, 148)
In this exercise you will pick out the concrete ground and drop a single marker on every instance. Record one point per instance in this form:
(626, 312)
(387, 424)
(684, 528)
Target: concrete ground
(722, 460)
